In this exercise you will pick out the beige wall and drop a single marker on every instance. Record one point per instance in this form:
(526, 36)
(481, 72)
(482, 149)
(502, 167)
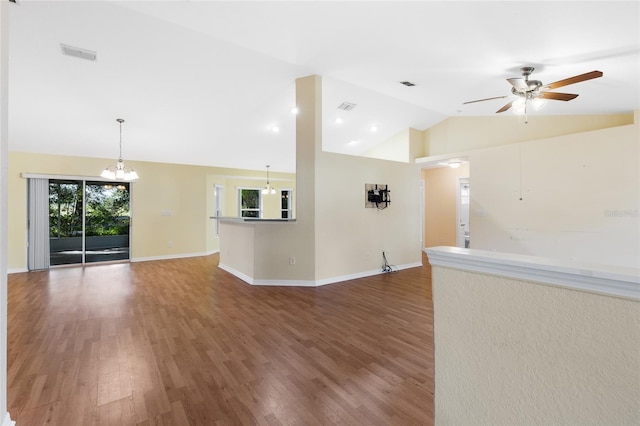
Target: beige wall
(341, 211)
(349, 238)
(440, 204)
(184, 191)
(406, 146)
(514, 352)
(574, 197)
(580, 191)
(334, 236)
(395, 148)
(461, 134)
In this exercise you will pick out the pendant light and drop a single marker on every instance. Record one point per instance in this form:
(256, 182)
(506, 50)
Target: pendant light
(119, 171)
(268, 189)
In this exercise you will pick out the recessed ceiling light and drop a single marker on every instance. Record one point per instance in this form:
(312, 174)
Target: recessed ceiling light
(339, 120)
(295, 110)
(353, 142)
(374, 129)
(275, 129)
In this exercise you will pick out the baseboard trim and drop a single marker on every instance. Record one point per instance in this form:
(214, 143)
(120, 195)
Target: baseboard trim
(311, 283)
(236, 273)
(285, 283)
(17, 270)
(7, 420)
(172, 256)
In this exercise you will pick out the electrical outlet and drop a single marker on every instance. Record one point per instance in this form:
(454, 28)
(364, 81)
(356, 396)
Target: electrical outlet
(292, 261)
(169, 243)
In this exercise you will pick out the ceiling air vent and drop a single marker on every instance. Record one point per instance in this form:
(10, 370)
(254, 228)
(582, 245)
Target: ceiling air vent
(346, 106)
(15, 1)
(408, 83)
(78, 52)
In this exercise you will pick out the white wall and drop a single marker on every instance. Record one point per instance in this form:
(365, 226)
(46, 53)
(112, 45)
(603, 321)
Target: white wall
(573, 197)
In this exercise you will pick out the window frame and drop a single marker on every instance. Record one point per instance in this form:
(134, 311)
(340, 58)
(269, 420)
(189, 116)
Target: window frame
(289, 208)
(260, 203)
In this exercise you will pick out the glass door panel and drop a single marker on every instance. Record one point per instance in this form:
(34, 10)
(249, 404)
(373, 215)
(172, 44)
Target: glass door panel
(107, 221)
(65, 222)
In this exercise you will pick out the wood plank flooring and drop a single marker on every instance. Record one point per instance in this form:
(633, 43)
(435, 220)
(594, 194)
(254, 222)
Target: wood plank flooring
(181, 342)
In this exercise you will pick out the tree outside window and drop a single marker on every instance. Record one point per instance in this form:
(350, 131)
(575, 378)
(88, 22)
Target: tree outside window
(249, 202)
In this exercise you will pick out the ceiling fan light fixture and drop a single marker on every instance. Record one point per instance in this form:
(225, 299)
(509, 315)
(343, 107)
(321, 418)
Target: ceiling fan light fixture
(519, 106)
(535, 93)
(538, 103)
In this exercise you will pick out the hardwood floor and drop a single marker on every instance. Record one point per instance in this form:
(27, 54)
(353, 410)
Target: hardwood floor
(181, 342)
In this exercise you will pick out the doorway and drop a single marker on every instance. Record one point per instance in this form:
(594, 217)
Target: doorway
(89, 221)
(463, 194)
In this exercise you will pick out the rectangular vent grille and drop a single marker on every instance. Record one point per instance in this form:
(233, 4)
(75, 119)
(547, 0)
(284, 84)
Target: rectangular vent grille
(78, 52)
(15, 1)
(346, 106)
(407, 83)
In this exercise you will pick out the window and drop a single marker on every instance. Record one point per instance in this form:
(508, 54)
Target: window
(218, 197)
(249, 202)
(286, 203)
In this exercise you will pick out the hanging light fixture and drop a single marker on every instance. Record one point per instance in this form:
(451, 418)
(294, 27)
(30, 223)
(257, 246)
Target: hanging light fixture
(268, 189)
(119, 171)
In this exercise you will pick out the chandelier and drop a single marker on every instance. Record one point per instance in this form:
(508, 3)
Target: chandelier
(268, 189)
(119, 171)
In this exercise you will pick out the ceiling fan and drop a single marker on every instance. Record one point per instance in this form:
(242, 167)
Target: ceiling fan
(532, 90)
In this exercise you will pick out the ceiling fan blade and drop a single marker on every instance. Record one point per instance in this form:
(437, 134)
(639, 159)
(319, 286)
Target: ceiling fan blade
(557, 96)
(504, 108)
(574, 79)
(519, 84)
(480, 100)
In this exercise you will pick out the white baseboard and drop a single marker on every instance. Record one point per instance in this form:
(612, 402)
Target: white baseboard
(140, 259)
(286, 283)
(7, 420)
(173, 256)
(236, 273)
(311, 283)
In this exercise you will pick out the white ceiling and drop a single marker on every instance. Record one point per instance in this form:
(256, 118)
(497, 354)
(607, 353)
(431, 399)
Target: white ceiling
(203, 82)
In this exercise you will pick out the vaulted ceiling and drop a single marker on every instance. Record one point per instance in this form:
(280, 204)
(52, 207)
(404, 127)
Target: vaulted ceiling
(205, 82)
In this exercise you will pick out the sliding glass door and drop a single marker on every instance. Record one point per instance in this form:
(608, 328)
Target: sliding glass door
(88, 221)
(107, 221)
